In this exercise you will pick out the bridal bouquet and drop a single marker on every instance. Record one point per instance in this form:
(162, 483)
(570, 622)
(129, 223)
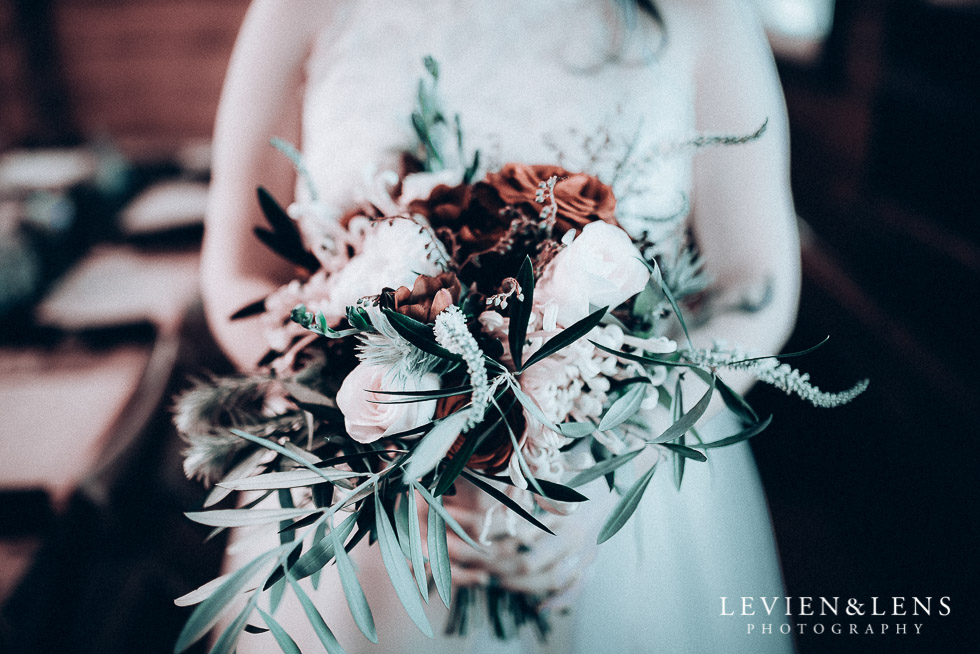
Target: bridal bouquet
(500, 331)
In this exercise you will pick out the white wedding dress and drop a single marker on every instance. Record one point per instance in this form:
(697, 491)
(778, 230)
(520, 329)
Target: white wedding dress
(533, 81)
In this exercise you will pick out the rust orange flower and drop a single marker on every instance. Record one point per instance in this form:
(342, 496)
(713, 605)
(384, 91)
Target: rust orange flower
(580, 198)
(493, 454)
(427, 297)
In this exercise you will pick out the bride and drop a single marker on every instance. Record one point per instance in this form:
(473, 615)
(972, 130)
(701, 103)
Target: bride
(583, 83)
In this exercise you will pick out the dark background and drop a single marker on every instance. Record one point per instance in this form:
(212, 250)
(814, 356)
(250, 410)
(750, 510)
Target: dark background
(872, 499)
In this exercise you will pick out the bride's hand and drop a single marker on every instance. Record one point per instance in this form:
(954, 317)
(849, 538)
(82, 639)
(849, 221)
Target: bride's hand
(527, 560)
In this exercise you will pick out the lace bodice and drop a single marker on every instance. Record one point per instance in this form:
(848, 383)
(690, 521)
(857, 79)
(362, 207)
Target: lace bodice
(532, 81)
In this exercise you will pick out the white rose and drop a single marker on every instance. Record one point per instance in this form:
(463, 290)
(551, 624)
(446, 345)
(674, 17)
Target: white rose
(392, 254)
(601, 267)
(366, 421)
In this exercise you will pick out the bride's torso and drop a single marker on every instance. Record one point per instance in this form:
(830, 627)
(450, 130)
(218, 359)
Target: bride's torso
(532, 81)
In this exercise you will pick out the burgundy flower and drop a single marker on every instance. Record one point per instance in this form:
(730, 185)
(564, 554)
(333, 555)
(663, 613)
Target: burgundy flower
(467, 217)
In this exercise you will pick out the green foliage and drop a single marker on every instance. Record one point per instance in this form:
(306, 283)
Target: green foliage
(398, 572)
(601, 469)
(507, 501)
(520, 313)
(438, 549)
(625, 507)
(623, 408)
(567, 336)
(320, 628)
(356, 600)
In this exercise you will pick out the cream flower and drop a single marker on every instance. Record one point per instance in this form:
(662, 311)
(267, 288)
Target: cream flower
(392, 254)
(367, 421)
(601, 267)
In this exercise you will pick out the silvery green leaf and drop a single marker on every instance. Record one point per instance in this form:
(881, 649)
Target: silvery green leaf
(446, 516)
(434, 161)
(419, 334)
(248, 505)
(229, 637)
(684, 424)
(299, 456)
(319, 534)
(533, 409)
(679, 464)
(736, 403)
(356, 601)
(415, 545)
(398, 572)
(246, 517)
(655, 272)
(745, 434)
(567, 337)
(625, 507)
(400, 516)
(286, 643)
(677, 410)
(295, 157)
(246, 467)
(434, 394)
(677, 312)
(522, 464)
(432, 66)
(624, 408)
(783, 356)
(649, 360)
(302, 456)
(439, 555)
(434, 445)
(552, 490)
(576, 429)
(685, 452)
(284, 238)
(289, 479)
(474, 166)
(287, 534)
(647, 301)
(202, 592)
(507, 501)
(276, 592)
(520, 312)
(320, 627)
(601, 468)
(209, 610)
(321, 551)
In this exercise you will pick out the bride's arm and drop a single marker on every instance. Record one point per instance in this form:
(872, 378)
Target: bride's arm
(261, 99)
(743, 217)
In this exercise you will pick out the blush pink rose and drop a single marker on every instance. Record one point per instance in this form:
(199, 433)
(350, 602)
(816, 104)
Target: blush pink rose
(367, 421)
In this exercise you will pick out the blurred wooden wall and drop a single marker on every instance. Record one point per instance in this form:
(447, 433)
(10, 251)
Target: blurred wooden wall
(15, 120)
(147, 72)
